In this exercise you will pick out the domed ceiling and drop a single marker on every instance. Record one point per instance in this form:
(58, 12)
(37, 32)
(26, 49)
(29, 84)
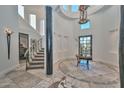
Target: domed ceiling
(92, 9)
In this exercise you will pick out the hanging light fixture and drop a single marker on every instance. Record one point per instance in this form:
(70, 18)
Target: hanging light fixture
(83, 14)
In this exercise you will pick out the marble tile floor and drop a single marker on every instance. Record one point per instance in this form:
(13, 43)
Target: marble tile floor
(19, 78)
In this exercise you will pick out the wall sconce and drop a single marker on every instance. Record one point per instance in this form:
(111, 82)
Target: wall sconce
(8, 32)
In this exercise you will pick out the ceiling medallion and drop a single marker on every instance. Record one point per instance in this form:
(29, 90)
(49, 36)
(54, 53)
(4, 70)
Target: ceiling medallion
(83, 14)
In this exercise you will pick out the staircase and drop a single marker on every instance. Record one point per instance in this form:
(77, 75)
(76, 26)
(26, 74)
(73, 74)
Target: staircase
(37, 61)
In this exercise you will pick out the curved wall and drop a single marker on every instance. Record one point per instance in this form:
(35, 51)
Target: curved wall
(62, 35)
(105, 32)
(104, 29)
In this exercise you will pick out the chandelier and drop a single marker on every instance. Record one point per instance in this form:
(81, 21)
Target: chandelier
(83, 14)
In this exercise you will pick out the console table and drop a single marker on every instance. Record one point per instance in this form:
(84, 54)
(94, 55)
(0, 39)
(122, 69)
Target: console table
(79, 58)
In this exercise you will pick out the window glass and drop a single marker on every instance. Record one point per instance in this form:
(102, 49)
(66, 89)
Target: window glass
(85, 26)
(33, 20)
(42, 29)
(74, 8)
(81, 38)
(85, 47)
(21, 10)
(65, 7)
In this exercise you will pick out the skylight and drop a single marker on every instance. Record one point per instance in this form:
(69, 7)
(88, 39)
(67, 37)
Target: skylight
(74, 8)
(65, 7)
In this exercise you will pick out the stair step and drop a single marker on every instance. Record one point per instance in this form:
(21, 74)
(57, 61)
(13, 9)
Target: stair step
(41, 50)
(42, 54)
(36, 63)
(39, 55)
(35, 59)
(38, 58)
(35, 67)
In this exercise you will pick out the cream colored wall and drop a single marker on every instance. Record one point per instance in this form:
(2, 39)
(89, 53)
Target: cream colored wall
(65, 35)
(110, 37)
(24, 27)
(29, 10)
(95, 31)
(62, 35)
(105, 39)
(8, 17)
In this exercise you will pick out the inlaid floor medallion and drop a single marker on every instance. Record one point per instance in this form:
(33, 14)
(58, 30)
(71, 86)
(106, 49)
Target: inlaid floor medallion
(98, 73)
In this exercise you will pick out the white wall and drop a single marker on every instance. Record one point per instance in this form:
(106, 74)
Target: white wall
(110, 37)
(8, 17)
(62, 35)
(29, 10)
(24, 27)
(65, 36)
(105, 39)
(95, 31)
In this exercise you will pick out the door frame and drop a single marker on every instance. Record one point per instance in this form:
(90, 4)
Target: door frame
(27, 41)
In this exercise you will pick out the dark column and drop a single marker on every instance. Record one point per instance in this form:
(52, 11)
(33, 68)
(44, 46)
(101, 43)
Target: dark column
(121, 48)
(49, 52)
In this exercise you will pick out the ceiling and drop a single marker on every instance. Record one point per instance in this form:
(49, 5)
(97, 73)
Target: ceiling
(91, 10)
(39, 10)
(35, 9)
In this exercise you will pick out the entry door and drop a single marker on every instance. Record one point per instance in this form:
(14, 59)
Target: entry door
(85, 46)
(23, 45)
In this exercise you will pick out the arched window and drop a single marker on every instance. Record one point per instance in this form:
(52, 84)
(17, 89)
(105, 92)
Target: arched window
(85, 26)
(33, 20)
(21, 10)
